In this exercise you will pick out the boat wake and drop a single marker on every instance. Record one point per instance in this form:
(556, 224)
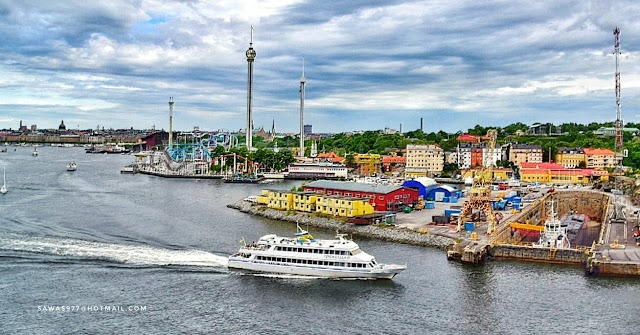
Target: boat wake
(64, 250)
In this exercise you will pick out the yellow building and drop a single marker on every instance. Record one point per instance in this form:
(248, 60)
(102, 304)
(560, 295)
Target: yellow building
(525, 153)
(305, 201)
(263, 198)
(368, 164)
(570, 158)
(310, 202)
(424, 161)
(555, 173)
(280, 199)
(343, 206)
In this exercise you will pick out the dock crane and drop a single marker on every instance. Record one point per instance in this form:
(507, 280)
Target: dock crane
(480, 192)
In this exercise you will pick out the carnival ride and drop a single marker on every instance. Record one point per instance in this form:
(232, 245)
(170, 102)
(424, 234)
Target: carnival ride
(480, 192)
(191, 154)
(236, 165)
(199, 145)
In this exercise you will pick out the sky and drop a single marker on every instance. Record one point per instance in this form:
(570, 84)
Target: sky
(368, 64)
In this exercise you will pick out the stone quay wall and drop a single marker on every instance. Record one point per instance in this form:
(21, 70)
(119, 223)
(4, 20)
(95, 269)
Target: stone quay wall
(545, 255)
(389, 233)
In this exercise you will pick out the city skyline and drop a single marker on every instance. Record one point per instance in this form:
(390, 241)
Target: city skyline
(368, 64)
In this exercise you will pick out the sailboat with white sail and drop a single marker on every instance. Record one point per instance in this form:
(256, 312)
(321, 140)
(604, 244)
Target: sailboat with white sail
(4, 189)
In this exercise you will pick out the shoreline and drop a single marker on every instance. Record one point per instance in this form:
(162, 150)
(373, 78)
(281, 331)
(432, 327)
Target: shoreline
(392, 234)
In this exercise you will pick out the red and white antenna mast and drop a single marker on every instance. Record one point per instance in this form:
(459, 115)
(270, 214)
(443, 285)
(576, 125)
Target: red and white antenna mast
(618, 124)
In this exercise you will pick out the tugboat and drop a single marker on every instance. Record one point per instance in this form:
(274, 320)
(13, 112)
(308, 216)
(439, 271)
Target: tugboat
(554, 234)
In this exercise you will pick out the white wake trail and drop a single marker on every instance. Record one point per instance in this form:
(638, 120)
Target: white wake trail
(118, 253)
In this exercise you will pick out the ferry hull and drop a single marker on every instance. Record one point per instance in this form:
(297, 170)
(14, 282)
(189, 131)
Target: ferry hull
(387, 271)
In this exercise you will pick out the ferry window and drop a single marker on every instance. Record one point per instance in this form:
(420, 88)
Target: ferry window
(380, 198)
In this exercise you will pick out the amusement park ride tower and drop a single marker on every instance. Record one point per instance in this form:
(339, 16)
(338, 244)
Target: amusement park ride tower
(480, 192)
(251, 55)
(302, 82)
(171, 121)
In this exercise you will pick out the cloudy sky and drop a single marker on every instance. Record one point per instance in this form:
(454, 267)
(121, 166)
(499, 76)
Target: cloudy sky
(369, 64)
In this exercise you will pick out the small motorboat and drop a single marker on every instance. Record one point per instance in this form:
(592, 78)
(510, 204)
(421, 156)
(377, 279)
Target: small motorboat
(72, 166)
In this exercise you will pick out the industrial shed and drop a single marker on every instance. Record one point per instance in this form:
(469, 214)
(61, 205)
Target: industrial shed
(443, 193)
(422, 184)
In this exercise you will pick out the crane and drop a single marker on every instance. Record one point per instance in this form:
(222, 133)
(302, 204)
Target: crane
(480, 192)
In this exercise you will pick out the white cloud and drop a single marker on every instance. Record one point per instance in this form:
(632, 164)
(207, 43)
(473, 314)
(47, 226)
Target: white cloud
(465, 61)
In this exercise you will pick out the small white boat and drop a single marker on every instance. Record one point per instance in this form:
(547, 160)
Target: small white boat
(4, 189)
(35, 152)
(72, 166)
(306, 256)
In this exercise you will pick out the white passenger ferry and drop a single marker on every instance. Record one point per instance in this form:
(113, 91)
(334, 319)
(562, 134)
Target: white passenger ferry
(304, 255)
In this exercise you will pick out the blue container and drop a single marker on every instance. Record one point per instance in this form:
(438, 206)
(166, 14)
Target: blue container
(445, 199)
(516, 205)
(469, 226)
(453, 200)
(430, 205)
(517, 200)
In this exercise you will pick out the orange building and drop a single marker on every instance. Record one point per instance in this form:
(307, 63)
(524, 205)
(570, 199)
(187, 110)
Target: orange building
(600, 158)
(390, 163)
(330, 157)
(477, 155)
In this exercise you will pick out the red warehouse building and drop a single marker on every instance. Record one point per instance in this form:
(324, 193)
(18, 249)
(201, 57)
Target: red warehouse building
(381, 197)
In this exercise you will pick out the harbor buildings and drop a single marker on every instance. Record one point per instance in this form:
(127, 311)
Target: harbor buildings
(368, 164)
(600, 158)
(555, 173)
(570, 158)
(312, 202)
(381, 197)
(524, 153)
(424, 161)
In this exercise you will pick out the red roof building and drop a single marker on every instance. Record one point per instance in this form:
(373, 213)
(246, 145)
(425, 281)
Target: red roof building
(381, 197)
(468, 138)
(391, 162)
(330, 157)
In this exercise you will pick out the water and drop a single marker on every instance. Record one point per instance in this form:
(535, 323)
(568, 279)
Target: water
(94, 238)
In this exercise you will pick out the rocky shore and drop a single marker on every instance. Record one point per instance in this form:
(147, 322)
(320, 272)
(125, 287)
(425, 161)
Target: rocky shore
(393, 234)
